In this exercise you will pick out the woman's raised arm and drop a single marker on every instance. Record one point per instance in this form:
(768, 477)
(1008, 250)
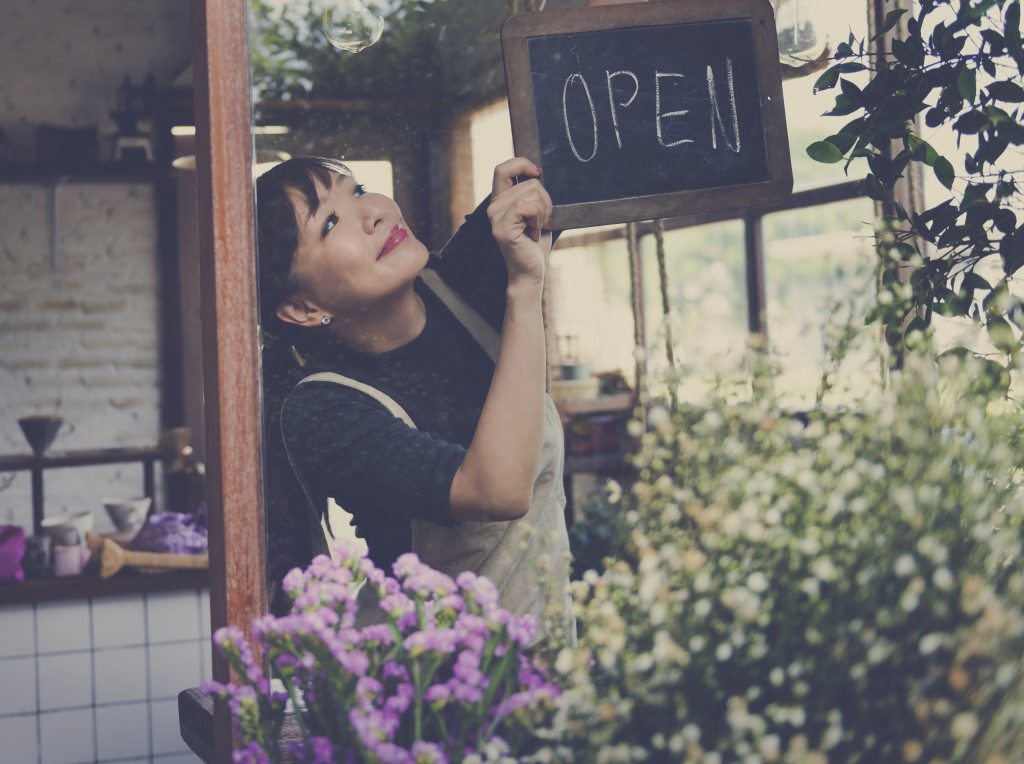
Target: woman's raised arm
(495, 480)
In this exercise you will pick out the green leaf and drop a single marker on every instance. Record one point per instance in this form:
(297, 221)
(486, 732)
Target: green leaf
(875, 190)
(1007, 91)
(923, 151)
(944, 172)
(825, 152)
(892, 18)
(827, 80)
(967, 84)
(1001, 335)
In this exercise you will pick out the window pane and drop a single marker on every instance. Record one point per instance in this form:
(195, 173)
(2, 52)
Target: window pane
(817, 259)
(805, 110)
(706, 285)
(588, 287)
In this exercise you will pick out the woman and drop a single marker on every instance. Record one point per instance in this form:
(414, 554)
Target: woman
(389, 389)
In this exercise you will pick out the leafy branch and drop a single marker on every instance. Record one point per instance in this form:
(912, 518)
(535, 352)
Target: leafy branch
(959, 64)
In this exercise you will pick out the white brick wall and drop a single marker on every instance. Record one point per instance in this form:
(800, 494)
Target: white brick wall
(79, 314)
(78, 332)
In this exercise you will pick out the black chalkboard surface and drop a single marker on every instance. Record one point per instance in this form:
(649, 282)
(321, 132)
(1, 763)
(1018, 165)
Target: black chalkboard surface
(650, 110)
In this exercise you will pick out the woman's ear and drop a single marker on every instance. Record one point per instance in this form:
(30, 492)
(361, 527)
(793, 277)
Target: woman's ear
(299, 311)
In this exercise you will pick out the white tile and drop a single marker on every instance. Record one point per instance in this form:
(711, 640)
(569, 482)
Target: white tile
(204, 611)
(17, 631)
(65, 680)
(19, 685)
(172, 616)
(173, 668)
(118, 621)
(19, 738)
(63, 626)
(120, 674)
(67, 736)
(122, 731)
(166, 731)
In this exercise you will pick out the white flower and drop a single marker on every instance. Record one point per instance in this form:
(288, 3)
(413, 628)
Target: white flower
(723, 652)
(691, 733)
(770, 747)
(904, 565)
(777, 676)
(823, 568)
(943, 579)
(931, 642)
(811, 588)
(697, 643)
(964, 726)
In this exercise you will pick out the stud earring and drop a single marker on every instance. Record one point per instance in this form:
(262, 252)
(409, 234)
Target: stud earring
(325, 320)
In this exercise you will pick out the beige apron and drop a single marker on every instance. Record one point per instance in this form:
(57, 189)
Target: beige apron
(527, 559)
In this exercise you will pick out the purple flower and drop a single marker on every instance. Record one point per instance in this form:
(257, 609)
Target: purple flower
(479, 590)
(321, 751)
(431, 640)
(428, 753)
(251, 754)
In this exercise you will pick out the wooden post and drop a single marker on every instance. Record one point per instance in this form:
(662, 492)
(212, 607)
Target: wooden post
(230, 342)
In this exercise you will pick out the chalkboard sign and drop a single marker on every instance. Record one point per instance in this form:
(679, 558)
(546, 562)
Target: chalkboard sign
(650, 110)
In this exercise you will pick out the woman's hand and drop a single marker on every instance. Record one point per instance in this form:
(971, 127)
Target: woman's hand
(520, 215)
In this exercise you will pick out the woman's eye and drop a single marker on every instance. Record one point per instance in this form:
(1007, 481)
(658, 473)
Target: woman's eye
(360, 189)
(332, 220)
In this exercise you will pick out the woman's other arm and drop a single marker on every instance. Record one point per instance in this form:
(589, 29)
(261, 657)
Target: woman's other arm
(495, 479)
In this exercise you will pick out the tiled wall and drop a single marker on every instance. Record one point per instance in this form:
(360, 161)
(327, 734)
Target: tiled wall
(97, 680)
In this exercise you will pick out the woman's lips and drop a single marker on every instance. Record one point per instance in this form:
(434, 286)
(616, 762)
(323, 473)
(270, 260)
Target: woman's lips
(396, 237)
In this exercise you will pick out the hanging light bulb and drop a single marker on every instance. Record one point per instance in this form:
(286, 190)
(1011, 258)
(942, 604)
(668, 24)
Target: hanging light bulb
(353, 25)
(801, 37)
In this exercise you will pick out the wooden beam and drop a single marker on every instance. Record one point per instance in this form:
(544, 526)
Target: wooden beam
(230, 340)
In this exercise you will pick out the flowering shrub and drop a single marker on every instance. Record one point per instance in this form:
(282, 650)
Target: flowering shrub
(848, 589)
(443, 679)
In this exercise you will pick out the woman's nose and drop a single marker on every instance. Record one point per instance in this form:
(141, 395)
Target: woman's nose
(375, 215)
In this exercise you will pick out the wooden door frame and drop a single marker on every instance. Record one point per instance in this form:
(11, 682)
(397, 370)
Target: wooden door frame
(227, 249)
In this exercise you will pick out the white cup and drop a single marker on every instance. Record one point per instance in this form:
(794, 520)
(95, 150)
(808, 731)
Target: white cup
(67, 560)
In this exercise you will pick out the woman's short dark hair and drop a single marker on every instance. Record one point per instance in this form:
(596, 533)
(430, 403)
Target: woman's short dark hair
(277, 233)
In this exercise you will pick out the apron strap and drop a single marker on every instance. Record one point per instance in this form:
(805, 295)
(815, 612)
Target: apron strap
(322, 523)
(383, 398)
(475, 324)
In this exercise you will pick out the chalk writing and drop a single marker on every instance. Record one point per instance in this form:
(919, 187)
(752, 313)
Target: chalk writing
(718, 121)
(565, 115)
(716, 112)
(626, 105)
(659, 116)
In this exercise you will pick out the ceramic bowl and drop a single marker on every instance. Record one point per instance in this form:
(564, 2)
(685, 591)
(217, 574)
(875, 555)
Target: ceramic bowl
(59, 527)
(128, 514)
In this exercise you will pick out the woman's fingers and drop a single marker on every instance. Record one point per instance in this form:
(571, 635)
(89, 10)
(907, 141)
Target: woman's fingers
(531, 188)
(506, 172)
(526, 212)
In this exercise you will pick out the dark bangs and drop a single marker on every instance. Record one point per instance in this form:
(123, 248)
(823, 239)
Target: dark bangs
(277, 230)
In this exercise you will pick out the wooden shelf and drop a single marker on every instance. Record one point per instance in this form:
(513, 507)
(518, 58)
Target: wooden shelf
(83, 458)
(84, 172)
(79, 587)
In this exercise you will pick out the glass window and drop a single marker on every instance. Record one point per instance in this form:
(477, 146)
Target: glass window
(805, 110)
(706, 284)
(819, 276)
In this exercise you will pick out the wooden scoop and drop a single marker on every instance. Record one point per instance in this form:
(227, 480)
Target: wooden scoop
(113, 557)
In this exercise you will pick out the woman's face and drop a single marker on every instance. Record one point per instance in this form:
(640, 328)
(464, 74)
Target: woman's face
(356, 251)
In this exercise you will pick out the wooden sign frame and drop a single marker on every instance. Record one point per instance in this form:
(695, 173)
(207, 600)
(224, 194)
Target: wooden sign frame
(519, 29)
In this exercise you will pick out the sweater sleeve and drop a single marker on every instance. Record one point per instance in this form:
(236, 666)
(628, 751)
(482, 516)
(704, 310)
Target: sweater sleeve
(471, 263)
(345, 445)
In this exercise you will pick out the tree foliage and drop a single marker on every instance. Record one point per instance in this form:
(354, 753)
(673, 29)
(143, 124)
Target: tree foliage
(953, 64)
